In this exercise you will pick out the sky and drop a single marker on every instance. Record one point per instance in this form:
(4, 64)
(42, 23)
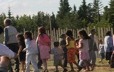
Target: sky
(30, 7)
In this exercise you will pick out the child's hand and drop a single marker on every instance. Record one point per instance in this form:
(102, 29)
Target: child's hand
(18, 54)
(23, 50)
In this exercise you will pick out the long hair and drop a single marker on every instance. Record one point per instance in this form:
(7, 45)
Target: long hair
(70, 34)
(29, 35)
(108, 33)
(42, 30)
(20, 37)
(84, 34)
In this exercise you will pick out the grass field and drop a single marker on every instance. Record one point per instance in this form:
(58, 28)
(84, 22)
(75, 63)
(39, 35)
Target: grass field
(100, 67)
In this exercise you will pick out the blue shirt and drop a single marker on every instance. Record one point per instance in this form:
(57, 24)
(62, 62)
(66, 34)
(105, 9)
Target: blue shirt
(108, 44)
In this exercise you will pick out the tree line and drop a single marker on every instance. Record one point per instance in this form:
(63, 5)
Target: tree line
(88, 15)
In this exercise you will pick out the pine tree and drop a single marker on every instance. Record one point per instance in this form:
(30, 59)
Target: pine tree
(97, 7)
(106, 13)
(53, 22)
(64, 8)
(9, 13)
(82, 13)
(111, 13)
(63, 14)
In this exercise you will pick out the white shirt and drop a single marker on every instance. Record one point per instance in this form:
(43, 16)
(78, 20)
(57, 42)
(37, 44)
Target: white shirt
(31, 46)
(5, 51)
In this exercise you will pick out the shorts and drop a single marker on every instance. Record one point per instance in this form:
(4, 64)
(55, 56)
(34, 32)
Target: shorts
(22, 56)
(102, 56)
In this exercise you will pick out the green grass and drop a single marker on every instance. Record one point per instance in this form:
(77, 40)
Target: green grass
(100, 67)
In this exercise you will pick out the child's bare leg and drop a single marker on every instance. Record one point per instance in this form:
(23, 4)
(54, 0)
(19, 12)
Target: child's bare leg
(71, 65)
(45, 64)
(22, 66)
(63, 68)
(56, 68)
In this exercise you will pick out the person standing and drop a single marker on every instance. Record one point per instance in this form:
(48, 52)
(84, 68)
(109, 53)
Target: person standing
(92, 48)
(71, 45)
(108, 45)
(21, 54)
(10, 33)
(63, 45)
(57, 52)
(31, 52)
(101, 50)
(5, 55)
(83, 47)
(44, 44)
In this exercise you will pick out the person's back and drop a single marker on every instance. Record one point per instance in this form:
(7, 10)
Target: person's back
(12, 32)
(58, 53)
(71, 43)
(10, 40)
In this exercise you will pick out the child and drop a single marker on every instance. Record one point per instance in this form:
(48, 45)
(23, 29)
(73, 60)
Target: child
(83, 50)
(20, 53)
(71, 45)
(58, 56)
(30, 52)
(77, 50)
(63, 45)
(44, 45)
(101, 50)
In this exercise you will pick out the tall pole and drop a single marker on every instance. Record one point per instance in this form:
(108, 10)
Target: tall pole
(50, 31)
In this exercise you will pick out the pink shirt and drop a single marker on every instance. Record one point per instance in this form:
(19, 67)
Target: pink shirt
(84, 51)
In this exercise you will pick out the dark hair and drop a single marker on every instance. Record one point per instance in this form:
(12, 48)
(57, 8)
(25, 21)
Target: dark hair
(56, 44)
(62, 36)
(20, 37)
(92, 30)
(100, 41)
(108, 33)
(69, 33)
(77, 40)
(84, 34)
(1, 30)
(28, 34)
(42, 30)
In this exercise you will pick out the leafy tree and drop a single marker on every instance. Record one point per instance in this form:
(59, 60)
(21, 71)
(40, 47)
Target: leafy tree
(111, 13)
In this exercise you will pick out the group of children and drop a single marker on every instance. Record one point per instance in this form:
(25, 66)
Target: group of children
(65, 49)
(27, 51)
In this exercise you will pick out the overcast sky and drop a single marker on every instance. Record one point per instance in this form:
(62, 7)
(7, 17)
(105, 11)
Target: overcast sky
(20, 7)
